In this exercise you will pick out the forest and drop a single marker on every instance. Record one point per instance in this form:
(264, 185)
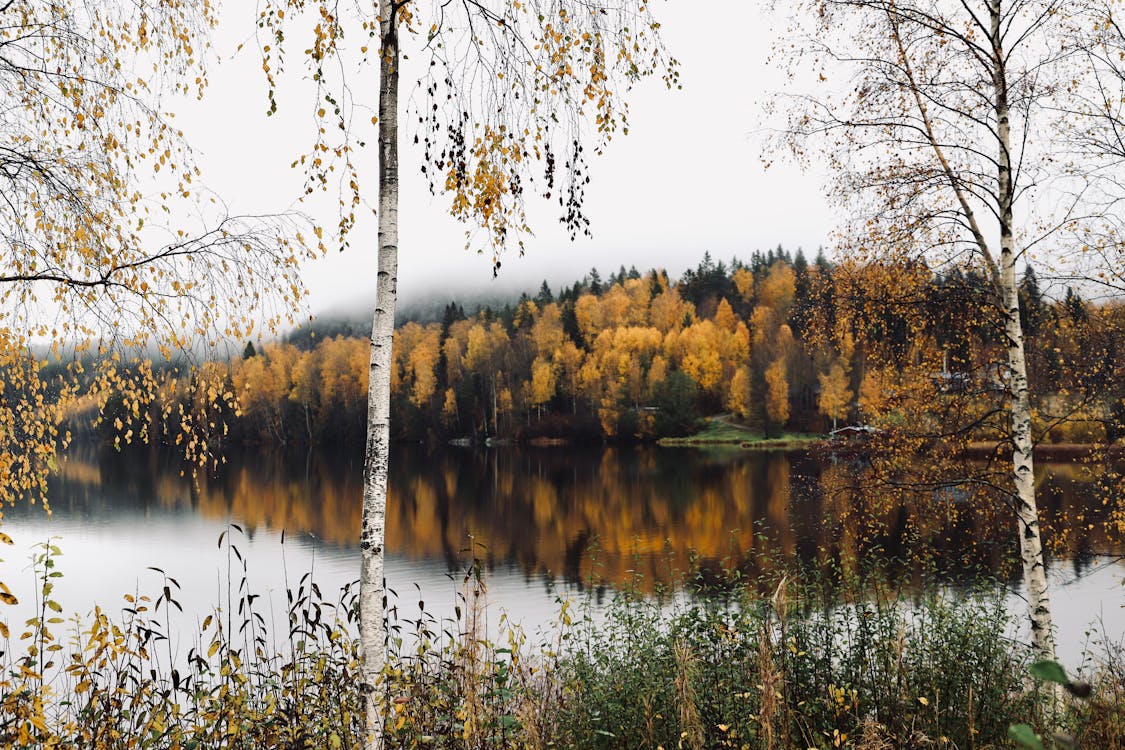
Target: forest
(779, 344)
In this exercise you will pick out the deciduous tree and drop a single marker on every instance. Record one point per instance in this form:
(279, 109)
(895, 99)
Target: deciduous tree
(739, 399)
(835, 396)
(510, 89)
(95, 267)
(777, 393)
(942, 126)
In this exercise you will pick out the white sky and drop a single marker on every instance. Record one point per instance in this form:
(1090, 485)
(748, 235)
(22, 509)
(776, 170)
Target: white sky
(688, 177)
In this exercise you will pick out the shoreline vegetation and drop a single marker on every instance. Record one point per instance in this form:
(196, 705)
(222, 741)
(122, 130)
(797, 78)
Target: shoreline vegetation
(793, 661)
(717, 431)
(722, 431)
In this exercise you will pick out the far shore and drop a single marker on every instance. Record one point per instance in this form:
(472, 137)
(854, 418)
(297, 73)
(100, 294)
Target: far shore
(783, 442)
(722, 430)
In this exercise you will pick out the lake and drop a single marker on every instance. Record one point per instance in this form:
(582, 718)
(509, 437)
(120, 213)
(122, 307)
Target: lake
(544, 522)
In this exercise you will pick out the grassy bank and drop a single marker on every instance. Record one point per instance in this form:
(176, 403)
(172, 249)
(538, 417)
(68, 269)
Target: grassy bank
(721, 431)
(805, 667)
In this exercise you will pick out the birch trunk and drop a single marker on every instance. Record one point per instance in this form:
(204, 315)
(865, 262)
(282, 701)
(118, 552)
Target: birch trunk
(1031, 547)
(372, 592)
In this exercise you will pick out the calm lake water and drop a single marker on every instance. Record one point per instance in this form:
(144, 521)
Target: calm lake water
(545, 522)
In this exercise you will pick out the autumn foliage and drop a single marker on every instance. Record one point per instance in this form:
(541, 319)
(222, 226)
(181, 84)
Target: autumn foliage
(636, 357)
(98, 270)
(778, 343)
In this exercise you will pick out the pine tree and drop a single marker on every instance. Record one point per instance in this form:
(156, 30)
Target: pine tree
(544, 297)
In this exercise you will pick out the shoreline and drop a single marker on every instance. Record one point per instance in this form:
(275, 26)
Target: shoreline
(721, 431)
(779, 443)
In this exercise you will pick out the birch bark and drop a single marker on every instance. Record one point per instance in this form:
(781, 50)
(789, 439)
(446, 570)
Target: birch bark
(372, 591)
(1027, 513)
(578, 63)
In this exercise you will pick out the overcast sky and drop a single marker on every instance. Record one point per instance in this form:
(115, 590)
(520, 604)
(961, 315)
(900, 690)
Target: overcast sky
(688, 177)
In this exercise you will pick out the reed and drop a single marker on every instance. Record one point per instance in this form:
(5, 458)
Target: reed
(855, 664)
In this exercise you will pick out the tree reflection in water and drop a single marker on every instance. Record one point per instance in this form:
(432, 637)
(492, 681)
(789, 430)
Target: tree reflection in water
(605, 515)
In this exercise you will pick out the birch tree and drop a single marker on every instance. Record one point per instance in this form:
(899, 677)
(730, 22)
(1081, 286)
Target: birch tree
(1097, 112)
(940, 125)
(96, 262)
(508, 98)
(835, 397)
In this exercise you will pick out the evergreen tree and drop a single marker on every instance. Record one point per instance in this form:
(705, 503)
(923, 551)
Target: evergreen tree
(452, 313)
(1074, 306)
(758, 264)
(800, 265)
(544, 297)
(706, 265)
(675, 401)
(821, 261)
(595, 281)
(508, 317)
(800, 315)
(1032, 309)
(570, 323)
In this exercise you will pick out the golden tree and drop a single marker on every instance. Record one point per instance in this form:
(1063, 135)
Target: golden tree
(744, 282)
(835, 396)
(943, 127)
(94, 269)
(449, 408)
(739, 398)
(777, 393)
(544, 381)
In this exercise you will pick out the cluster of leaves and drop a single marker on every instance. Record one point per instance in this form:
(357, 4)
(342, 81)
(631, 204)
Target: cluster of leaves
(859, 667)
(94, 176)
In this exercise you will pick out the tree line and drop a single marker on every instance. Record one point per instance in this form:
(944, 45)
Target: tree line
(779, 343)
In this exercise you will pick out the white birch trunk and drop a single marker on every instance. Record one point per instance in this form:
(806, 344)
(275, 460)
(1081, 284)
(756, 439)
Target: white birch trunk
(372, 589)
(1027, 513)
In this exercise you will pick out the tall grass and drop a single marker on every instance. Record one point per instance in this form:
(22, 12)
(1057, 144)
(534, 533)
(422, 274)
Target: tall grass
(807, 665)
(797, 670)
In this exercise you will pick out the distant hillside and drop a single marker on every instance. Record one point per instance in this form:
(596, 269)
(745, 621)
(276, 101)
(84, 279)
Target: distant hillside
(435, 308)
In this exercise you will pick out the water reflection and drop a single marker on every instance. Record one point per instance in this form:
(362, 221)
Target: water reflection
(580, 515)
(545, 521)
